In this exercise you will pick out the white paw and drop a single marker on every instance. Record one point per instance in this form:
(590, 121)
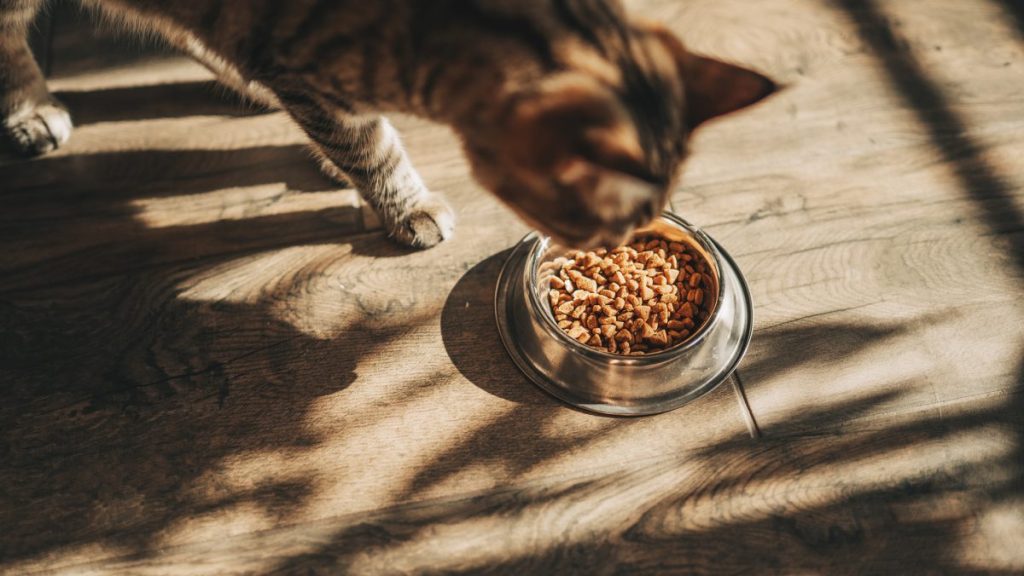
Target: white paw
(428, 223)
(38, 128)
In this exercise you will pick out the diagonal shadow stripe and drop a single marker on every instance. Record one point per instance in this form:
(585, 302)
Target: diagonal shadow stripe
(990, 191)
(948, 132)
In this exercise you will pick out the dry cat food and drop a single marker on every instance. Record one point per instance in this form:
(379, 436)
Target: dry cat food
(637, 299)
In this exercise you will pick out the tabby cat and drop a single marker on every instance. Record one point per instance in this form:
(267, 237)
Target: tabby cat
(573, 113)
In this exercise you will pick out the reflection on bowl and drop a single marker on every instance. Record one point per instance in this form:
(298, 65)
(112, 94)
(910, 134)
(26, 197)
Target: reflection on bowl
(608, 383)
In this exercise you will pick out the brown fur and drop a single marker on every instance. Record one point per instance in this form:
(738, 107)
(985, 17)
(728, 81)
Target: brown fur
(572, 113)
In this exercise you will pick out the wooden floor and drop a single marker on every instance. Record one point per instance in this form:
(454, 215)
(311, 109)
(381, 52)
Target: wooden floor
(213, 362)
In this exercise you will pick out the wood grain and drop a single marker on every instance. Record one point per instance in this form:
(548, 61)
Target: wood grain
(213, 362)
(876, 211)
(810, 505)
(204, 338)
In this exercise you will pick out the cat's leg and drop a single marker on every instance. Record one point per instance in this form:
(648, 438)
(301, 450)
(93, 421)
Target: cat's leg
(368, 152)
(29, 116)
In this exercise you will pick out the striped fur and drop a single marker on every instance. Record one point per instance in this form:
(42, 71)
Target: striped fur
(572, 113)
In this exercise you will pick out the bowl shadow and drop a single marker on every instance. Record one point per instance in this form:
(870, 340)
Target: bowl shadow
(470, 335)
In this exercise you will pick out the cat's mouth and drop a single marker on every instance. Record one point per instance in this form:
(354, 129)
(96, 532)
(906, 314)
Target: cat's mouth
(607, 236)
(610, 239)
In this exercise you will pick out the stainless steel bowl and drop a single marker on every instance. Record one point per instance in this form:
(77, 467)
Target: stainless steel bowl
(607, 383)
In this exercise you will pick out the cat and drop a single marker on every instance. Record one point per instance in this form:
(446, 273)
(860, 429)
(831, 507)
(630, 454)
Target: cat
(573, 113)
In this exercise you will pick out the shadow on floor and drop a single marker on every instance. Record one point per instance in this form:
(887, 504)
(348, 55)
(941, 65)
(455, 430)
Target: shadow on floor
(470, 336)
(858, 530)
(1015, 8)
(81, 216)
(980, 180)
(120, 398)
(175, 100)
(121, 394)
(741, 509)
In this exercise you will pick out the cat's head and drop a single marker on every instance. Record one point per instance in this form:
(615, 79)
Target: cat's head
(591, 150)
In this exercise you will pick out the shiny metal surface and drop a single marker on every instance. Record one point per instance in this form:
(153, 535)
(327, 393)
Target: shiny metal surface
(606, 383)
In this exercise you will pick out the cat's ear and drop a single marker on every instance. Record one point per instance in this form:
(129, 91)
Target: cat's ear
(714, 88)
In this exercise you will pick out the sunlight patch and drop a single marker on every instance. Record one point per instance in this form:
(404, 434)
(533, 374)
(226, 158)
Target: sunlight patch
(241, 203)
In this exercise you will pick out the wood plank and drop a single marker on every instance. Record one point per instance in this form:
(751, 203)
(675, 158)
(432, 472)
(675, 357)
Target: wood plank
(210, 367)
(880, 231)
(203, 340)
(920, 499)
(169, 405)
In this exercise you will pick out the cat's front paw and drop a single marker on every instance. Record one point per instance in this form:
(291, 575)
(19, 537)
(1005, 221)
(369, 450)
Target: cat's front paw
(427, 223)
(38, 128)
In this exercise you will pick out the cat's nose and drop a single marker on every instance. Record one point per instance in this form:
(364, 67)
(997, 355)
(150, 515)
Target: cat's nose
(647, 211)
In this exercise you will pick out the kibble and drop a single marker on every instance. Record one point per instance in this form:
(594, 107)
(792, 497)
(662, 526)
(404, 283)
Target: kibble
(637, 299)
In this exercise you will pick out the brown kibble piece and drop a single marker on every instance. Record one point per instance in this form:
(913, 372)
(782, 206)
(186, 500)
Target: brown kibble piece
(648, 331)
(554, 297)
(637, 325)
(586, 284)
(659, 337)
